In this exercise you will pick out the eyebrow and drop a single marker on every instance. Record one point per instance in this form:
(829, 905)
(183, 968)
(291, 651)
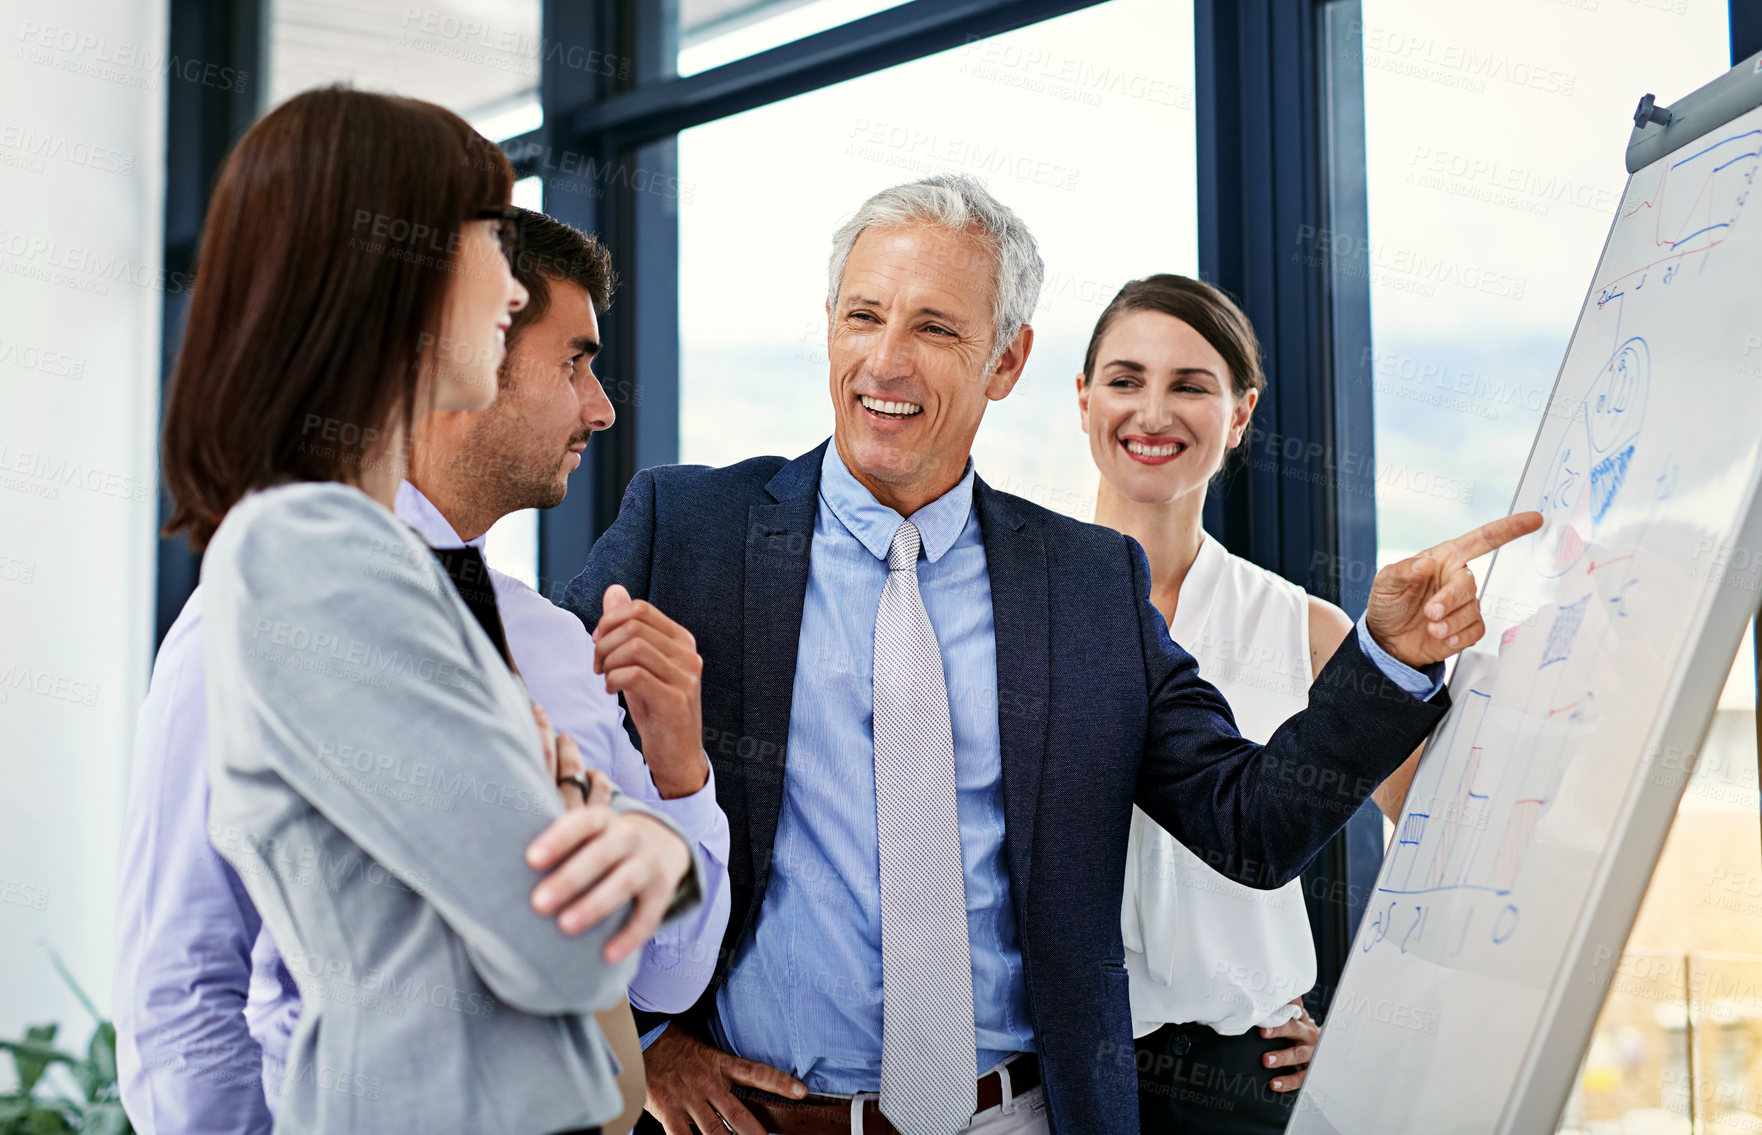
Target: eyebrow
(1140, 368)
(586, 346)
(932, 312)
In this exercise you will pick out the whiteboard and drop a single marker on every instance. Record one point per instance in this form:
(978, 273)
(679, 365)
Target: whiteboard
(1543, 798)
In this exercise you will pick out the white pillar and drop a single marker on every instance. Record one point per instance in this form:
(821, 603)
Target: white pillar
(82, 175)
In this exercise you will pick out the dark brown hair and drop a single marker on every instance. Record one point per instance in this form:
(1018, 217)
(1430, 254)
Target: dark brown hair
(553, 251)
(1206, 309)
(329, 247)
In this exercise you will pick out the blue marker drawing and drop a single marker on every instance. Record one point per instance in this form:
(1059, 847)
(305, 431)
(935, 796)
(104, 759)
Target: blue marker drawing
(1563, 632)
(1505, 925)
(1606, 478)
(1616, 403)
(1667, 480)
(1591, 460)
(1696, 202)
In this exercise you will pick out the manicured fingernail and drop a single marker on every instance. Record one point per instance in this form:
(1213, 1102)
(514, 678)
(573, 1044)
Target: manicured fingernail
(1454, 639)
(1277, 1084)
(571, 922)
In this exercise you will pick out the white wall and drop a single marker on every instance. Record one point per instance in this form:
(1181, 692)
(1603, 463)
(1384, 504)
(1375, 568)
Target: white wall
(82, 171)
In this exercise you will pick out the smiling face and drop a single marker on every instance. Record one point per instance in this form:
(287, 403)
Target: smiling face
(1160, 410)
(909, 338)
(481, 301)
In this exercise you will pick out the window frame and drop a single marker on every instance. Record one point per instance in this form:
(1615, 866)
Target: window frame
(1279, 92)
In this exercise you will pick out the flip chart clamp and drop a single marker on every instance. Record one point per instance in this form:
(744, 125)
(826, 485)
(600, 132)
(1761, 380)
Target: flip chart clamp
(1660, 130)
(1650, 112)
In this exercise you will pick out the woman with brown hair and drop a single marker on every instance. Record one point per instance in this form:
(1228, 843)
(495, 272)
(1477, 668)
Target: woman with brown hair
(373, 764)
(1216, 970)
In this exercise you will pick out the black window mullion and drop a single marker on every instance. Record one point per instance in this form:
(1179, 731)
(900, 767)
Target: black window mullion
(1274, 111)
(202, 121)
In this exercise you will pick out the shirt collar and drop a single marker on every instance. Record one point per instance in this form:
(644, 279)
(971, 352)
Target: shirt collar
(419, 513)
(939, 523)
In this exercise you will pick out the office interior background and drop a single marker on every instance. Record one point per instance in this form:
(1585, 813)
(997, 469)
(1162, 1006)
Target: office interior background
(1408, 195)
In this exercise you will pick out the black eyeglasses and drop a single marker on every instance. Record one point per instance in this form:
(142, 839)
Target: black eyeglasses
(510, 229)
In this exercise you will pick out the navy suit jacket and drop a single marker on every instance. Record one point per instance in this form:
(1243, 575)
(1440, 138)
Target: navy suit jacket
(1097, 709)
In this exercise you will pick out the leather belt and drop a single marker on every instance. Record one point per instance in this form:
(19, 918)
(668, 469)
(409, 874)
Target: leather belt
(830, 1115)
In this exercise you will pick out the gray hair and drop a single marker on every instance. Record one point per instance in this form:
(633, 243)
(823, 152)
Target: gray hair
(961, 204)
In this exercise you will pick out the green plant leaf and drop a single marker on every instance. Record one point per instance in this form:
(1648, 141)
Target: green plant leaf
(105, 1119)
(87, 1078)
(43, 1121)
(101, 1055)
(33, 1054)
(13, 1109)
(75, 986)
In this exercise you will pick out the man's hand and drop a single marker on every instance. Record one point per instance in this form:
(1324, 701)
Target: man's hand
(653, 662)
(597, 860)
(1422, 610)
(690, 1082)
(1303, 1029)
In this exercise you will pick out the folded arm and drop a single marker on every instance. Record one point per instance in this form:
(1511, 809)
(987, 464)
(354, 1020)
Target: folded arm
(331, 623)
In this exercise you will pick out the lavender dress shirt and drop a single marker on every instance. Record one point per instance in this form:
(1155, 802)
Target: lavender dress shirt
(202, 1001)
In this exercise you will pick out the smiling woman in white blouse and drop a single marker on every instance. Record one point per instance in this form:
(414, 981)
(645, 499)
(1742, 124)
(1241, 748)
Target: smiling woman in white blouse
(1217, 970)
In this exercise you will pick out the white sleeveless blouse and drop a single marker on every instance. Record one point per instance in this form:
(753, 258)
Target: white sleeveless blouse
(1199, 947)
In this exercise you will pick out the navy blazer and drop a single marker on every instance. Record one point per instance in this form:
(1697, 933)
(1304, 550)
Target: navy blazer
(1097, 709)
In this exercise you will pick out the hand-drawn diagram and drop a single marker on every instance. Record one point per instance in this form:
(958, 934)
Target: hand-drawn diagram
(1500, 757)
(1695, 203)
(1591, 462)
(1539, 805)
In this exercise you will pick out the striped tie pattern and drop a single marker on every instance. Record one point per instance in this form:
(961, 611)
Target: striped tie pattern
(927, 1043)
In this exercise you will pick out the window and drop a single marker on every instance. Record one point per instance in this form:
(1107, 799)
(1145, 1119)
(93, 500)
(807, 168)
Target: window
(1485, 227)
(481, 61)
(714, 32)
(481, 64)
(1082, 124)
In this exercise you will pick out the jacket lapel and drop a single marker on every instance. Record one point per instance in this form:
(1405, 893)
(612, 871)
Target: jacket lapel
(779, 538)
(1021, 609)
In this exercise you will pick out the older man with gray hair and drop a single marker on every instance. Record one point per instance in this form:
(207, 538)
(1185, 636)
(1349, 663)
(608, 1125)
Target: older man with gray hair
(931, 706)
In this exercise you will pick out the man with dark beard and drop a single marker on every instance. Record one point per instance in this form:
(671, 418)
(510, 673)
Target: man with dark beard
(191, 943)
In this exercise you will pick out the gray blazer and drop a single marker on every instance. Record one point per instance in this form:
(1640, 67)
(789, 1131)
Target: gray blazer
(375, 779)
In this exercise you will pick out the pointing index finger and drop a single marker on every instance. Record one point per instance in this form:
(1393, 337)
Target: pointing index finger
(1491, 535)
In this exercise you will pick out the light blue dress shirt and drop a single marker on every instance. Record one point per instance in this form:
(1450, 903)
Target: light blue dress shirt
(804, 992)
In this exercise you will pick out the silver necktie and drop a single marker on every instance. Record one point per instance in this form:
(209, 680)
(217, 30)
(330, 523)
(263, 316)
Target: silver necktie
(927, 1044)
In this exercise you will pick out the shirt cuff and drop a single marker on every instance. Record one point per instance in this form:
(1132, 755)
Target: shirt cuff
(653, 1035)
(1422, 684)
(697, 813)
